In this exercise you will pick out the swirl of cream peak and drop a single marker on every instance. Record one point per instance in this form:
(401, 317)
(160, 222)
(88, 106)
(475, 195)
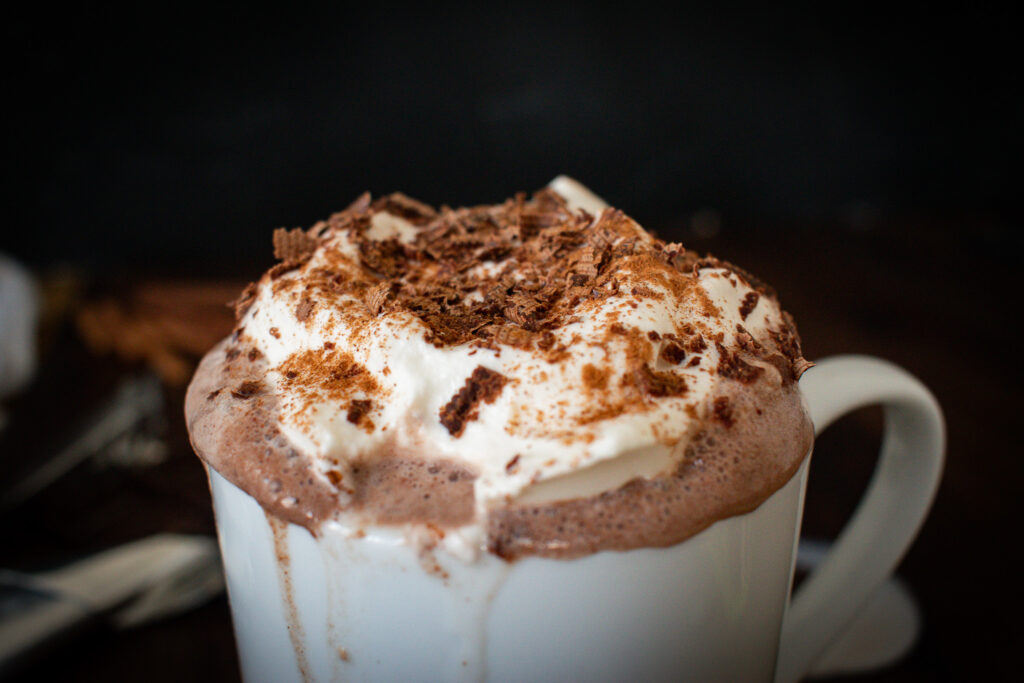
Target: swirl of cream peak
(547, 348)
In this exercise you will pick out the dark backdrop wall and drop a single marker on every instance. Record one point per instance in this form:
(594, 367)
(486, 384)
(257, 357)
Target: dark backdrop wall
(179, 138)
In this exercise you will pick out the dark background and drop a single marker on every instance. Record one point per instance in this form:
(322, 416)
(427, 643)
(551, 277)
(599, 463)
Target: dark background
(861, 159)
(183, 136)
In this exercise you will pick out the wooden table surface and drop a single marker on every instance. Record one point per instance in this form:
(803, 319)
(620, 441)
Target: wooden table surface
(922, 292)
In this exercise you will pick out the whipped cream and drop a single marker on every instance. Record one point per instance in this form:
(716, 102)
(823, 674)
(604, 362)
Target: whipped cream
(563, 425)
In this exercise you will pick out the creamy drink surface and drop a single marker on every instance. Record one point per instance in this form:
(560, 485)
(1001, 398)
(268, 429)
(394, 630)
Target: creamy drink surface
(537, 377)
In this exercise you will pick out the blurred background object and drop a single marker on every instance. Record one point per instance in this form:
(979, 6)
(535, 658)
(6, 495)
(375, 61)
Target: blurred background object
(19, 314)
(168, 325)
(130, 586)
(861, 159)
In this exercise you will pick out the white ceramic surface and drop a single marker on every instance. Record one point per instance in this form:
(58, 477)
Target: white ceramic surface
(711, 608)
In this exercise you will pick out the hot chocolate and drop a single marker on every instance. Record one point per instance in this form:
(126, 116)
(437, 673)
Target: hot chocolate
(538, 377)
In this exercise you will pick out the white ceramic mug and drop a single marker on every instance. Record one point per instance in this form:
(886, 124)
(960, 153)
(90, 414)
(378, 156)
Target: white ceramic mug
(714, 607)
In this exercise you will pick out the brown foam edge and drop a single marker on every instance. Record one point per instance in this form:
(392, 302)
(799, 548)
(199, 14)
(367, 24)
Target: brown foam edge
(236, 433)
(240, 439)
(725, 470)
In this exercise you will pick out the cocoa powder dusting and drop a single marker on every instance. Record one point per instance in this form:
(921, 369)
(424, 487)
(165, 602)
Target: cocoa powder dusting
(594, 378)
(329, 375)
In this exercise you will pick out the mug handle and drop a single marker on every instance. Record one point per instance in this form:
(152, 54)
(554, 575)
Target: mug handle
(888, 516)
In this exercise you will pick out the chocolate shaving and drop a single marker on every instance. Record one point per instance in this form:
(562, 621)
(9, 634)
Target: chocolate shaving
(386, 257)
(483, 386)
(731, 366)
(787, 338)
(659, 384)
(244, 300)
(377, 296)
(293, 247)
(673, 353)
(696, 344)
(749, 304)
(247, 390)
(525, 310)
(281, 268)
(400, 205)
(513, 335)
(546, 341)
(679, 258)
(304, 309)
(746, 341)
(643, 291)
(360, 205)
(357, 410)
